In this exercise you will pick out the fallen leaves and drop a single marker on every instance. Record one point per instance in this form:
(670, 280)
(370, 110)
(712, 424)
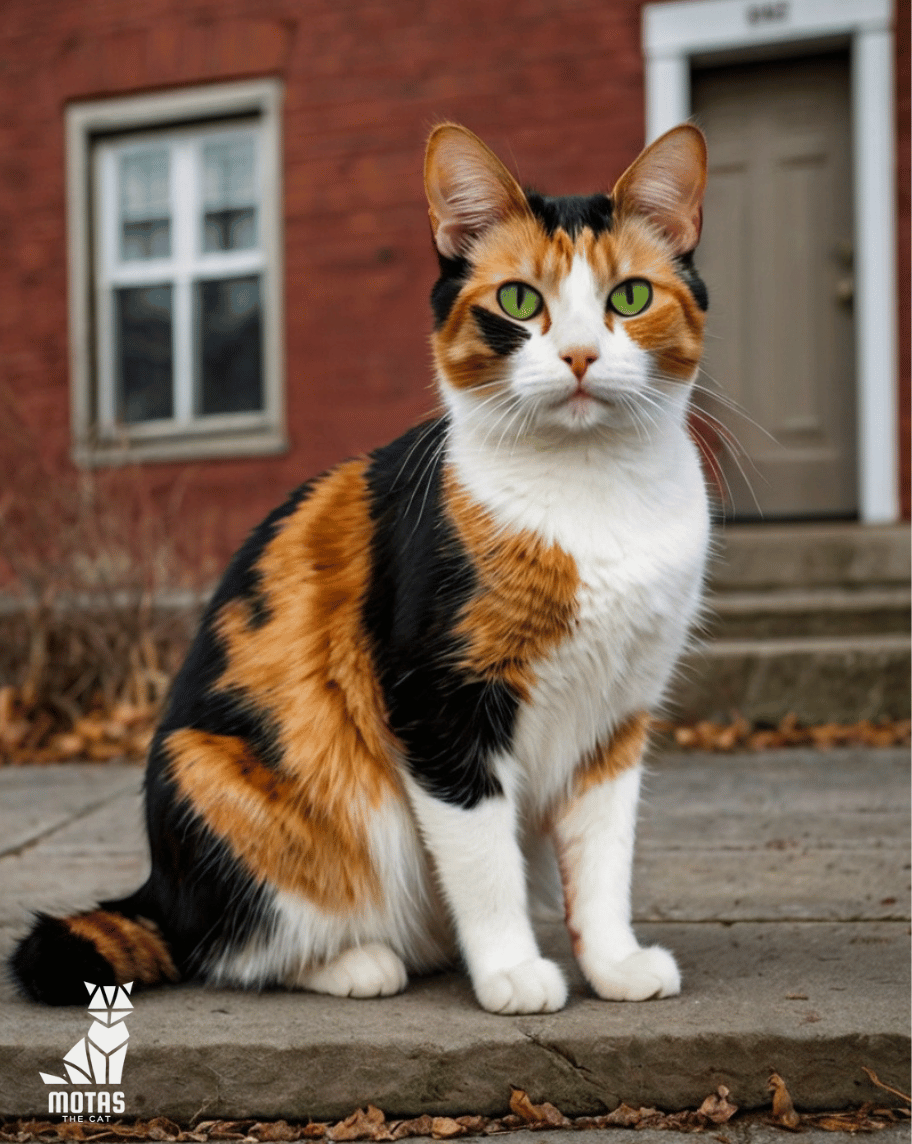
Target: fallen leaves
(371, 1123)
(28, 734)
(716, 1109)
(741, 735)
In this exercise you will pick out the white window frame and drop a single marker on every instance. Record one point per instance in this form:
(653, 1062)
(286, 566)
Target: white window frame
(95, 133)
(708, 31)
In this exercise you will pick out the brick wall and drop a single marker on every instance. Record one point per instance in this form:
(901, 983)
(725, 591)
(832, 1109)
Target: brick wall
(557, 89)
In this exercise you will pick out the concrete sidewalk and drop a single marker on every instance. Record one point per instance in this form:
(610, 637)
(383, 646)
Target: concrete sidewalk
(780, 880)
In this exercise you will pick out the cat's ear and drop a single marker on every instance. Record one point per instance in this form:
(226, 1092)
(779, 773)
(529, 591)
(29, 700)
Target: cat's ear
(468, 188)
(666, 184)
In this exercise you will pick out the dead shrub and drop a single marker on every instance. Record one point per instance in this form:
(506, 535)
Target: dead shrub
(101, 587)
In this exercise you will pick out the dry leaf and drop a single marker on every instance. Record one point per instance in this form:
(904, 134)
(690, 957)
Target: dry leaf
(444, 1128)
(474, 1125)
(168, 1129)
(783, 1110)
(875, 1079)
(419, 1126)
(225, 1130)
(70, 1130)
(67, 745)
(717, 1108)
(277, 1130)
(626, 1117)
(365, 1124)
(545, 1113)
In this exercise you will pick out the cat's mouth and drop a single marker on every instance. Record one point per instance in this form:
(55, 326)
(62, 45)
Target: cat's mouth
(583, 397)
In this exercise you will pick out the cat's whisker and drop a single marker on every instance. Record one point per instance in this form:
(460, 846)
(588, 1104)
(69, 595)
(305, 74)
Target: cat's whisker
(718, 394)
(735, 451)
(420, 439)
(425, 479)
(711, 463)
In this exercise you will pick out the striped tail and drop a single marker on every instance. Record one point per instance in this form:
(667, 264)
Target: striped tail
(52, 963)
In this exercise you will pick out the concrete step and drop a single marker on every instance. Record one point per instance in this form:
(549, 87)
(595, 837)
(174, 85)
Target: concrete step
(779, 879)
(810, 619)
(809, 612)
(759, 556)
(821, 679)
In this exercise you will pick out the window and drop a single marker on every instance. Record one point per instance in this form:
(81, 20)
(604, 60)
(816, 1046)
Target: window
(175, 275)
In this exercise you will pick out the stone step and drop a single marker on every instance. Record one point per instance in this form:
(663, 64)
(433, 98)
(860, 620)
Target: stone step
(808, 612)
(779, 880)
(821, 679)
(762, 556)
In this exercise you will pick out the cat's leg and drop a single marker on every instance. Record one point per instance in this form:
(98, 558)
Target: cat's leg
(480, 868)
(594, 836)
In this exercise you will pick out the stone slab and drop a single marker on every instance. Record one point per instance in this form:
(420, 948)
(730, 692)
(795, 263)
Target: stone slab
(730, 848)
(799, 611)
(815, 1001)
(801, 555)
(36, 801)
(751, 1130)
(820, 679)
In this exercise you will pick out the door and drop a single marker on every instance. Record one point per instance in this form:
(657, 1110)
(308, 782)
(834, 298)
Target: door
(776, 254)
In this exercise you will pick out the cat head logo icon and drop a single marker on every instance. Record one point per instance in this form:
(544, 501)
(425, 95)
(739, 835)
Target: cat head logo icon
(98, 1058)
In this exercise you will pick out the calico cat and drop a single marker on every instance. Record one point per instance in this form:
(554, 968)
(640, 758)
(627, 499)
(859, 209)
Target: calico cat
(430, 670)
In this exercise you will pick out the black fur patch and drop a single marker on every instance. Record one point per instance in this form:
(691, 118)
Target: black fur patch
(200, 896)
(194, 700)
(453, 275)
(51, 964)
(500, 334)
(421, 579)
(572, 213)
(688, 274)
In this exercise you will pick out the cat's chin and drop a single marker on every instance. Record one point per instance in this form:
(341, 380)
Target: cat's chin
(583, 415)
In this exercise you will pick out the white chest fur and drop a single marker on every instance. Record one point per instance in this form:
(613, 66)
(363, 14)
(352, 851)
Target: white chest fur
(635, 520)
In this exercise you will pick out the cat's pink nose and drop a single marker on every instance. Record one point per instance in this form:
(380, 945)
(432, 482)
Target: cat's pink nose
(579, 359)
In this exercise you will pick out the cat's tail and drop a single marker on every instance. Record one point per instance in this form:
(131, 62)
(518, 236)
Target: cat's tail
(101, 946)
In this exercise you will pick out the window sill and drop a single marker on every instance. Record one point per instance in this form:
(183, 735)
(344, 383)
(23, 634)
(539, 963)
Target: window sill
(187, 447)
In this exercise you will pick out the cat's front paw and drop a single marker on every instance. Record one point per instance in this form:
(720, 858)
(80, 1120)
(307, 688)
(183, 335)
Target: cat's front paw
(364, 971)
(535, 986)
(641, 976)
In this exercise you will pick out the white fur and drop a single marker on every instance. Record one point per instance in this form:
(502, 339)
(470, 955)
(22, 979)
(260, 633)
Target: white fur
(408, 918)
(482, 873)
(363, 971)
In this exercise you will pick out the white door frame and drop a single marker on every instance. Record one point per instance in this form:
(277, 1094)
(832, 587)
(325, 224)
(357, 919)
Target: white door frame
(674, 33)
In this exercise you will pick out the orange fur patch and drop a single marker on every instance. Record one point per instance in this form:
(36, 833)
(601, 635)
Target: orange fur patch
(525, 600)
(621, 752)
(134, 949)
(271, 822)
(308, 670)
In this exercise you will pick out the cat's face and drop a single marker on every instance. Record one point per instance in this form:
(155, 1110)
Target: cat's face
(566, 316)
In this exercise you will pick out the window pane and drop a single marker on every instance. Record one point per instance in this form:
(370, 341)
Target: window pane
(145, 214)
(229, 346)
(144, 366)
(229, 195)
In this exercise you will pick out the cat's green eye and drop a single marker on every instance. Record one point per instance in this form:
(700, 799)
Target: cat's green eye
(520, 301)
(630, 298)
